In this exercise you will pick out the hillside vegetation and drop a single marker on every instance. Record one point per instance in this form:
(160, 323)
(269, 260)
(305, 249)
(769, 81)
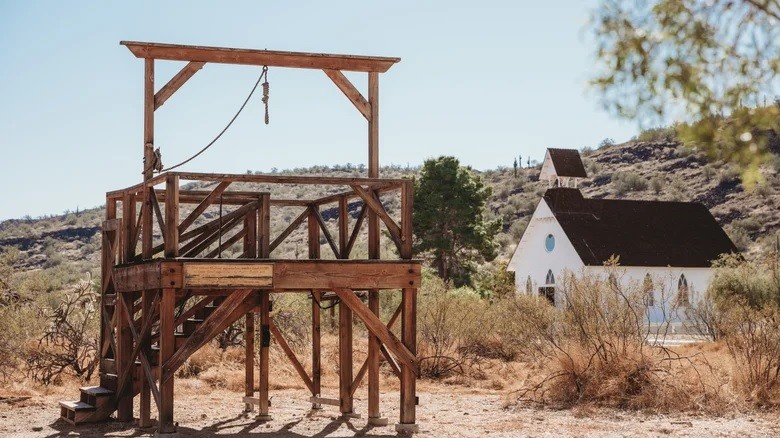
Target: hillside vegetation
(655, 166)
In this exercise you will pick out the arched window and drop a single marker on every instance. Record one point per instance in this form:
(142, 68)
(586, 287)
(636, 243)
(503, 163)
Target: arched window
(550, 279)
(683, 298)
(647, 287)
(529, 287)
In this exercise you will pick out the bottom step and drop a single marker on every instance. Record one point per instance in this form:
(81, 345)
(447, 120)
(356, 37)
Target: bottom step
(75, 412)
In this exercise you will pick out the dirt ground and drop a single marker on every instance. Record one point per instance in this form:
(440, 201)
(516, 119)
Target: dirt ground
(447, 411)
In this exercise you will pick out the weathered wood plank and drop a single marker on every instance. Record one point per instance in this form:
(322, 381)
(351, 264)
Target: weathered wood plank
(271, 58)
(290, 355)
(204, 204)
(350, 91)
(176, 82)
(321, 275)
(228, 275)
(375, 326)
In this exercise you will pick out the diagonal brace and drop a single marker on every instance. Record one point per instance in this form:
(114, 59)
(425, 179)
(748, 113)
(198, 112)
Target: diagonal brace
(377, 327)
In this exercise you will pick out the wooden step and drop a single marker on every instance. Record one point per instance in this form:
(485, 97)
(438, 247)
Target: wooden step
(205, 311)
(96, 396)
(76, 411)
(108, 380)
(190, 325)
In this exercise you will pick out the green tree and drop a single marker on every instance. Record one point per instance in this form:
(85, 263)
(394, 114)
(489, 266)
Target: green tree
(713, 60)
(449, 219)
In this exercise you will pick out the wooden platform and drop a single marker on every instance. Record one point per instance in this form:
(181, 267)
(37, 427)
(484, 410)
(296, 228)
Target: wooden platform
(203, 276)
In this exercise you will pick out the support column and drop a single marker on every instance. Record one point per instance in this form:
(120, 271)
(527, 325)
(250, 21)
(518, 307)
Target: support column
(374, 416)
(408, 377)
(345, 361)
(166, 425)
(124, 346)
(249, 341)
(316, 295)
(145, 403)
(316, 355)
(265, 344)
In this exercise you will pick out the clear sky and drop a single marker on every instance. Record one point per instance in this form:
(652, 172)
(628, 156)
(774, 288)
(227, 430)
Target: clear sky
(483, 81)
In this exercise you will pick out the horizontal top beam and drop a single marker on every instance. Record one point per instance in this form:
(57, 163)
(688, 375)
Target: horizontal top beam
(374, 183)
(271, 58)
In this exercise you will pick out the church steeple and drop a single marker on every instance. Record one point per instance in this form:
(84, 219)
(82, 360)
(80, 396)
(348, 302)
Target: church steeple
(562, 168)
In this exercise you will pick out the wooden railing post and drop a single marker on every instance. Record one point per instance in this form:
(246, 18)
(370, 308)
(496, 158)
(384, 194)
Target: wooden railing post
(171, 216)
(128, 232)
(265, 345)
(264, 227)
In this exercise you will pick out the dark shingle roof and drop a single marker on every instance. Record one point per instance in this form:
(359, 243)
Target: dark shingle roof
(567, 163)
(641, 233)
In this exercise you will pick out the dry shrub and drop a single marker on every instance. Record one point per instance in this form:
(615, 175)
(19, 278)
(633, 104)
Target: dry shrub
(448, 323)
(595, 350)
(754, 344)
(69, 341)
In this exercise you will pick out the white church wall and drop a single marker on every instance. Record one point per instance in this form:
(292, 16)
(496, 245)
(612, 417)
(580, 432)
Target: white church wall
(532, 259)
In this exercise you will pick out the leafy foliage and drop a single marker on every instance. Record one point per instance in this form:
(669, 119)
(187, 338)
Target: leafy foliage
(704, 58)
(449, 219)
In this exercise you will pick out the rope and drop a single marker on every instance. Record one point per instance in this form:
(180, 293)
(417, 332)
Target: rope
(264, 74)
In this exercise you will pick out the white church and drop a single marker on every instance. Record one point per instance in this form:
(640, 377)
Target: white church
(666, 248)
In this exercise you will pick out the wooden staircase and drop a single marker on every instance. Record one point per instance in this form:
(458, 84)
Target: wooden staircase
(97, 403)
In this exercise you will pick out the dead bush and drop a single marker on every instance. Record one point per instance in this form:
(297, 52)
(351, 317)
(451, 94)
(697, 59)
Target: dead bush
(753, 341)
(595, 349)
(448, 321)
(69, 341)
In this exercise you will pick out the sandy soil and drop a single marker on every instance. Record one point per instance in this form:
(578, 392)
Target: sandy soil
(444, 411)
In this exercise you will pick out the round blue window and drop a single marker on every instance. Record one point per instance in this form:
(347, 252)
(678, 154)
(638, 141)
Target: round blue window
(549, 243)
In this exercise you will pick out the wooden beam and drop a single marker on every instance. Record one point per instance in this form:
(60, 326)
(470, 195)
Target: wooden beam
(350, 91)
(328, 237)
(375, 326)
(329, 274)
(208, 200)
(356, 230)
(407, 207)
(364, 368)
(287, 231)
(157, 213)
(227, 275)
(290, 355)
(235, 305)
(271, 58)
(373, 125)
(373, 203)
(176, 82)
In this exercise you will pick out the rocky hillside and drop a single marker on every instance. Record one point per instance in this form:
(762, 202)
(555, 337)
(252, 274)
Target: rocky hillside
(658, 168)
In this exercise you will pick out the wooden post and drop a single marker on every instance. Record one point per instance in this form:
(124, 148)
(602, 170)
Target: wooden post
(147, 219)
(374, 416)
(167, 346)
(316, 347)
(250, 251)
(316, 360)
(124, 345)
(265, 344)
(147, 312)
(171, 231)
(264, 227)
(408, 378)
(408, 318)
(345, 360)
(128, 221)
(249, 340)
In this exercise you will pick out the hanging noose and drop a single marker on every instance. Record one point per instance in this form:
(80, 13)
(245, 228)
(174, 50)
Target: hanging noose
(266, 87)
